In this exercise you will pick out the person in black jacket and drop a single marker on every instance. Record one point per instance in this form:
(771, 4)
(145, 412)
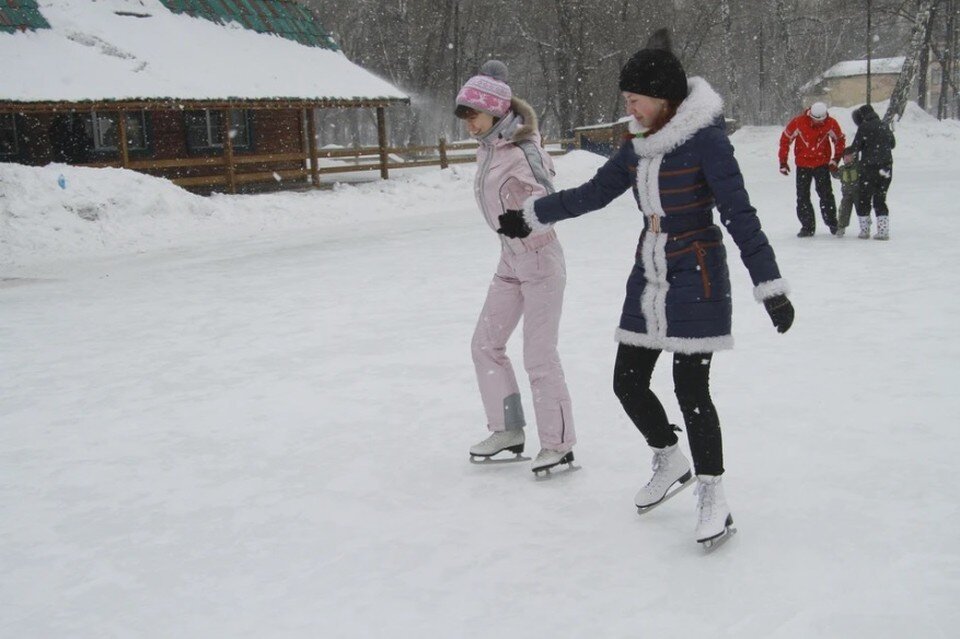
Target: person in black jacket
(873, 144)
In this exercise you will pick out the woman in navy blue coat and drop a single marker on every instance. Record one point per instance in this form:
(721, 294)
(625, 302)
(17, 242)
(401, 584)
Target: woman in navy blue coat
(681, 166)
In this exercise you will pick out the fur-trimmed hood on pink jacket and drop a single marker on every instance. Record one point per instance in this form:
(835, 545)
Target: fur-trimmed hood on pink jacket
(511, 165)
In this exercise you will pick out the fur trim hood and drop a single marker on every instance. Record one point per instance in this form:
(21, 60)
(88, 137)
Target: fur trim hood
(527, 126)
(700, 109)
(519, 125)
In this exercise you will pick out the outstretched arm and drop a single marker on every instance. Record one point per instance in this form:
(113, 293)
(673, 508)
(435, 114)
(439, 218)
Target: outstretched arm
(610, 181)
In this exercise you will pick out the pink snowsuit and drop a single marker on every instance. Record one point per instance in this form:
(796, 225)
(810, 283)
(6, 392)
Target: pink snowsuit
(529, 282)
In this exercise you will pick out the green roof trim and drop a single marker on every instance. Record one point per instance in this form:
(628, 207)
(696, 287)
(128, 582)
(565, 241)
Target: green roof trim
(284, 18)
(20, 15)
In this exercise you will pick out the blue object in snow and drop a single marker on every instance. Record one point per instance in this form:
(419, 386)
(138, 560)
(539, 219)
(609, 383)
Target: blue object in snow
(62, 181)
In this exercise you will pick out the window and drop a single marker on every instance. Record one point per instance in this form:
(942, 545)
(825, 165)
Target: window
(103, 128)
(205, 129)
(8, 135)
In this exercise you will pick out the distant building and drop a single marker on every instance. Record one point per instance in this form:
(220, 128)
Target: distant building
(211, 94)
(602, 139)
(845, 83)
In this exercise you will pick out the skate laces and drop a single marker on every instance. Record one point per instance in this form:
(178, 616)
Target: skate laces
(500, 436)
(659, 459)
(705, 498)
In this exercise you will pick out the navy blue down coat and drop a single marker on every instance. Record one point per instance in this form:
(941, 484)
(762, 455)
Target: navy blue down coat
(678, 293)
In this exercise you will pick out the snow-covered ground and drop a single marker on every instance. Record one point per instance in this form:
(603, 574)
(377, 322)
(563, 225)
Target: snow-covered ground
(249, 417)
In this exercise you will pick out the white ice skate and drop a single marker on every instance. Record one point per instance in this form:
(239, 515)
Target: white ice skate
(670, 469)
(503, 440)
(714, 521)
(547, 459)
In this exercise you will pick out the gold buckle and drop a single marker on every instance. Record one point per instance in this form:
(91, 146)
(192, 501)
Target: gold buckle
(654, 223)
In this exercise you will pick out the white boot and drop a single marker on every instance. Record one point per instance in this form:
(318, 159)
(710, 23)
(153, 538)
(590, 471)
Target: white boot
(883, 228)
(510, 440)
(547, 458)
(669, 467)
(713, 514)
(864, 227)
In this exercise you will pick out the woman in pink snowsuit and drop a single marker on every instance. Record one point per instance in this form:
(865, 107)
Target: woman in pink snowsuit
(529, 281)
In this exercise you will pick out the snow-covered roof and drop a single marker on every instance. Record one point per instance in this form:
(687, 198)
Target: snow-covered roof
(849, 68)
(140, 50)
(852, 68)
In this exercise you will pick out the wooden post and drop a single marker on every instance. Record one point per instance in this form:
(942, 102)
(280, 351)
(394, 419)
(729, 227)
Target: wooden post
(443, 153)
(312, 147)
(228, 149)
(124, 152)
(382, 141)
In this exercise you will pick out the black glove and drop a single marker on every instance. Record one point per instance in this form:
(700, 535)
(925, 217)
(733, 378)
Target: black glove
(513, 225)
(781, 312)
(784, 169)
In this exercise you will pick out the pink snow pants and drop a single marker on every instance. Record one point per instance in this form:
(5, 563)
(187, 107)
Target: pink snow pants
(529, 282)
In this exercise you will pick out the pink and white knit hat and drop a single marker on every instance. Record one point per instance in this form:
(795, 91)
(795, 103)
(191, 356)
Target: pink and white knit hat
(487, 91)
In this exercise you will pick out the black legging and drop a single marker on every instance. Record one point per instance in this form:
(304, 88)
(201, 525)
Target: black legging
(691, 380)
(820, 177)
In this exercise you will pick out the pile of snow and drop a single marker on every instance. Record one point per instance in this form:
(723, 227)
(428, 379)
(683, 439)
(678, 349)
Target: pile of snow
(103, 212)
(917, 132)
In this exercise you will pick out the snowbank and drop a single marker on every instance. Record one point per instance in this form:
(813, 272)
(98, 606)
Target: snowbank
(103, 212)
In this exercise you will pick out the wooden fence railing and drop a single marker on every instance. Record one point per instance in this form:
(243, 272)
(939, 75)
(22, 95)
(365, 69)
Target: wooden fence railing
(229, 169)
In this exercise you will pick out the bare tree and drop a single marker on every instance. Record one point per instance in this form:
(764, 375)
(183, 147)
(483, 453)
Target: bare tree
(898, 100)
(948, 62)
(564, 56)
(732, 70)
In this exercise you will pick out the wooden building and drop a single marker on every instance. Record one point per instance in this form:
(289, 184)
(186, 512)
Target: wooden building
(212, 94)
(602, 139)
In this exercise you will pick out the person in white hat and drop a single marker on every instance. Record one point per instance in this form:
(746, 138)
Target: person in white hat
(818, 145)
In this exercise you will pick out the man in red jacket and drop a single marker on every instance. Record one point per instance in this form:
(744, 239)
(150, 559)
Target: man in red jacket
(818, 146)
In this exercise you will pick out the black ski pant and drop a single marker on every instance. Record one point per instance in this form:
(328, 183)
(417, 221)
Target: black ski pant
(820, 177)
(874, 181)
(691, 380)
